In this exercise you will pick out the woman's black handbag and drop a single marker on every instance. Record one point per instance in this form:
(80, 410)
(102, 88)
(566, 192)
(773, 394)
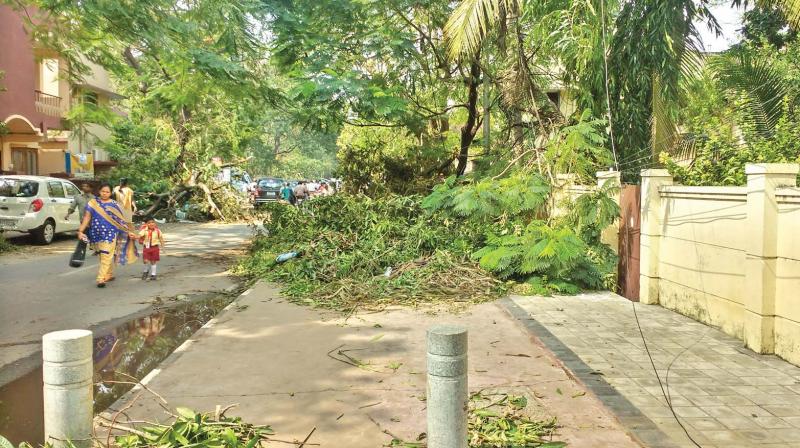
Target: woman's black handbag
(79, 255)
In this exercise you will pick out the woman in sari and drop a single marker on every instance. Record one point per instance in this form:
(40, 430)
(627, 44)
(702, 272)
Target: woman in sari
(110, 231)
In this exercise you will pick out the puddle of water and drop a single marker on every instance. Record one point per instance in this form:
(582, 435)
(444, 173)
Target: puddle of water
(130, 350)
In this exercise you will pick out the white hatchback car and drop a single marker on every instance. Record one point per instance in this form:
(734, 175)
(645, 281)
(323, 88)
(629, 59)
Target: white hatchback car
(37, 205)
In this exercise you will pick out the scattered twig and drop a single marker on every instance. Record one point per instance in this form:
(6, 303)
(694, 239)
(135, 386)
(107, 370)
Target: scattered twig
(117, 414)
(121, 428)
(138, 382)
(369, 405)
(307, 437)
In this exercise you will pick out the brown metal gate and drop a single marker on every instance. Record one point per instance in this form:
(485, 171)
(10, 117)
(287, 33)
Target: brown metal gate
(629, 228)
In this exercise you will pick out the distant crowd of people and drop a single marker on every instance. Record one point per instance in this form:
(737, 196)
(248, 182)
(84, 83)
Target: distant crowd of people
(305, 190)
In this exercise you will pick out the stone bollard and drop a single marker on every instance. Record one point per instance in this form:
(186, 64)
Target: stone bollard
(67, 372)
(447, 387)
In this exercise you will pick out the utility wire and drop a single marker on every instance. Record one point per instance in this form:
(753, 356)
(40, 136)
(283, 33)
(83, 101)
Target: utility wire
(660, 384)
(608, 95)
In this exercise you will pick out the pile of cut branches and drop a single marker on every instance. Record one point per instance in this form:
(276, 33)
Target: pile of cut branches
(358, 252)
(195, 429)
(468, 241)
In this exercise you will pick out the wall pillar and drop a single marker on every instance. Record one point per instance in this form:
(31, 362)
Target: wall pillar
(762, 251)
(609, 176)
(652, 229)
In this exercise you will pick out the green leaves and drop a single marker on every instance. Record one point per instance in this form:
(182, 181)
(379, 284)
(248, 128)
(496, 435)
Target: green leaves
(580, 148)
(503, 423)
(539, 251)
(488, 199)
(191, 429)
(4, 443)
(348, 242)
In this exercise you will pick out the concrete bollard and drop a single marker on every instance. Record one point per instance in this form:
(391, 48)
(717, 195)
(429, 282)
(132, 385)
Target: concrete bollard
(447, 387)
(67, 370)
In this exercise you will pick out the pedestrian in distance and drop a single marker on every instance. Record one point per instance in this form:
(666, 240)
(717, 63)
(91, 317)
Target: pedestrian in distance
(123, 194)
(152, 240)
(104, 225)
(287, 193)
(300, 192)
(79, 203)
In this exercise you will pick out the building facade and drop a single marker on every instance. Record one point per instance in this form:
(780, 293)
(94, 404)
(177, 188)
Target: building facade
(35, 97)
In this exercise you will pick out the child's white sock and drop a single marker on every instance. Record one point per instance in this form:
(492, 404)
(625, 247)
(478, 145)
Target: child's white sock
(153, 270)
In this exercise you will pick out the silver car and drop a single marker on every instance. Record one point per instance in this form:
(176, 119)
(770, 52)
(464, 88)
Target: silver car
(37, 205)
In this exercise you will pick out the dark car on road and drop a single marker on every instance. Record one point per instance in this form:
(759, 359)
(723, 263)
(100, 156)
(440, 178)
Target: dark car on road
(268, 189)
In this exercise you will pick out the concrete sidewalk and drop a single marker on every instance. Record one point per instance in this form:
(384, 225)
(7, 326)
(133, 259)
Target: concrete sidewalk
(277, 361)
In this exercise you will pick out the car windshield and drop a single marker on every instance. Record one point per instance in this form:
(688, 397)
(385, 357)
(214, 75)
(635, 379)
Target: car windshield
(270, 183)
(16, 188)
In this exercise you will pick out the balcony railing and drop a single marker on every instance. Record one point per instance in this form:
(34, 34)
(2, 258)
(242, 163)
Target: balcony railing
(48, 104)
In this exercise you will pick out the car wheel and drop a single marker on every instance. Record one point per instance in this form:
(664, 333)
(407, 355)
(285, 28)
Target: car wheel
(45, 233)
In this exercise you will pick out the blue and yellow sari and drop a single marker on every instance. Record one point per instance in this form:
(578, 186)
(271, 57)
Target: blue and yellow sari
(108, 225)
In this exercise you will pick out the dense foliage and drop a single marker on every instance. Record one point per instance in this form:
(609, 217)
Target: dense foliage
(348, 244)
(357, 251)
(743, 109)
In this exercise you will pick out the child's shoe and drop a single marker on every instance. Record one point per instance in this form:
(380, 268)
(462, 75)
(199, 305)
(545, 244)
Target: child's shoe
(144, 275)
(153, 278)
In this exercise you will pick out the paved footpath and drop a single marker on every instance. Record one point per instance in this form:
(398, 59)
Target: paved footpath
(724, 394)
(277, 361)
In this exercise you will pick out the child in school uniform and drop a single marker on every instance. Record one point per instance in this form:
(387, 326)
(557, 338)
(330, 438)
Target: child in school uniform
(152, 239)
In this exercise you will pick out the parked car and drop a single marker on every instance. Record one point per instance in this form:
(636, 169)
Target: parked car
(37, 205)
(240, 180)
(268, 189)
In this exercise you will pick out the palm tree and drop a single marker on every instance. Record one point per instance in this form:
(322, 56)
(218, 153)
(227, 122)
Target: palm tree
(470, 23)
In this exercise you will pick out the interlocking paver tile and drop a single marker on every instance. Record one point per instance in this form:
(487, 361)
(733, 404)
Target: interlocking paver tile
(706, 400)
(764, 399)
(783, 411)
(724, 436)
(758, 436)
(787, 435)
(735, 400)
(705, 423)
(738, 422)
(689, 411)
(772, 422)
(752, 411)
(794, 421)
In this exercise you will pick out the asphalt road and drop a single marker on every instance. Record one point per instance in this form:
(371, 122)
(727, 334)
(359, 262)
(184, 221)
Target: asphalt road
(40, 293)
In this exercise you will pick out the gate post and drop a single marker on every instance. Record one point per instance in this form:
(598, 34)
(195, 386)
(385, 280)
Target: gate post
(652, 217)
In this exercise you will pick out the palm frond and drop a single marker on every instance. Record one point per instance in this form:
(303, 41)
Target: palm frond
(470, 23)
(662, 123)
(761, 88)
(789, 8)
